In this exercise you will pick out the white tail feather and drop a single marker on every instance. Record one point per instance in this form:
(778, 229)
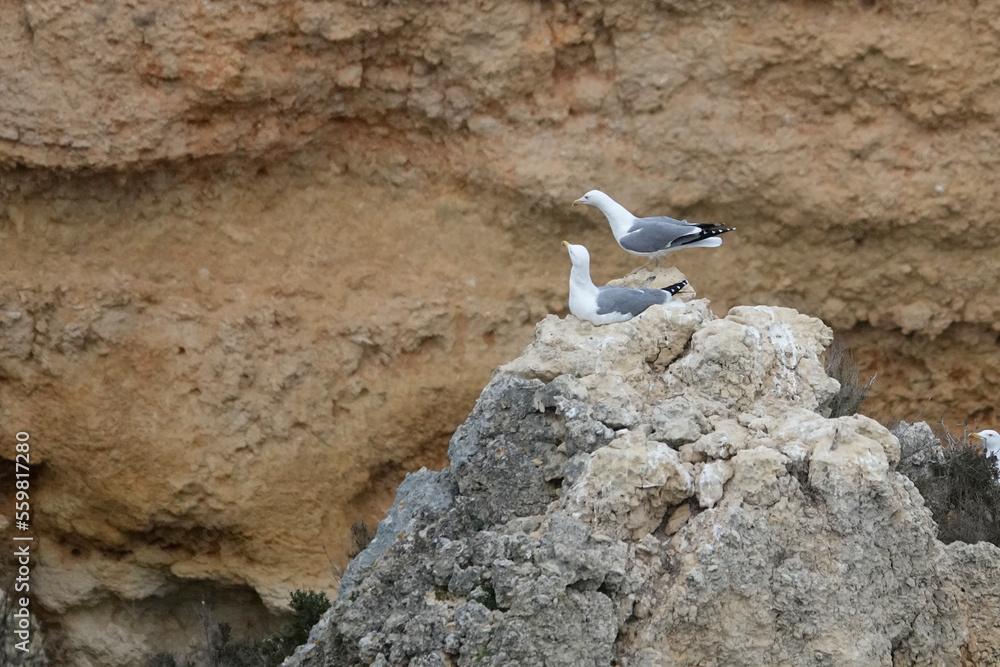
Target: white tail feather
(713, 242)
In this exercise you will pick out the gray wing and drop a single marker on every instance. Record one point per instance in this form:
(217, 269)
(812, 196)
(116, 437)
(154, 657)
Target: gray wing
(649, 235)
(627, 300)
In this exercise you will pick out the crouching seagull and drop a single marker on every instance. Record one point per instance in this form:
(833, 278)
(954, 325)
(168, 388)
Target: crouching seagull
(603, 305)
(653, 237)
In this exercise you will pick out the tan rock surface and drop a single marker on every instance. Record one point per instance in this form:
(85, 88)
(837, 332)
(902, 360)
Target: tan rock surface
(270, 252)
(189, 411)
(626, 487)
(858, 163)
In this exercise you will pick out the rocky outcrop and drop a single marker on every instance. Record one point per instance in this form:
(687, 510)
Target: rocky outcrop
(270, 252)
(665, 491)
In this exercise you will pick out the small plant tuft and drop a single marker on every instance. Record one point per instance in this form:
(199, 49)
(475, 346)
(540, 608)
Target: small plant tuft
(361, 537)
(488, 598)
(308, 607)
(841, 367)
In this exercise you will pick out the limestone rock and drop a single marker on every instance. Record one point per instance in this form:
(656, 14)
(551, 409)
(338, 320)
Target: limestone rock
(677, 519)
(595, 351)
(760, 476)
(627, 486)
(773, 535)
(919, 448)
(20, 650)
(753, 354)
(710, 482)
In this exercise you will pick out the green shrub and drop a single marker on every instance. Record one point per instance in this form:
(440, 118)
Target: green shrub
(959, 486)
(487, 597)
(307, 607)
(967, 497)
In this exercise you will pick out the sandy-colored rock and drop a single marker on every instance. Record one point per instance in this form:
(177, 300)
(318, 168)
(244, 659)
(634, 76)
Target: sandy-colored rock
(726, 438)
(190, 411)
(552, 354)
(760, 476)
(677, 519)
(751, 354)
(856, 162)
(347, 214)
(710, 481)
(627, 486)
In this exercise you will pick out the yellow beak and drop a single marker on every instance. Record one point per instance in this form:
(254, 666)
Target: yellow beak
(565, 244)
(974, 436)
(578, 202)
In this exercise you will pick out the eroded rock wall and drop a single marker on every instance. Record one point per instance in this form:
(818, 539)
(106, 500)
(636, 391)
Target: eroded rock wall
(271, 251)
(853, 144)
(190, 411)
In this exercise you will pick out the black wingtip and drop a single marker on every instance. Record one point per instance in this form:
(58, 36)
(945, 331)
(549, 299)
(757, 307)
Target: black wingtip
(709, 233)
(675, 288)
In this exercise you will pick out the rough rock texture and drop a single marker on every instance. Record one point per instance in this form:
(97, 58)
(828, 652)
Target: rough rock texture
(225, 260)
(191, 414)
(15, 650)
(920, 450)
(551, 539)
(854, 145)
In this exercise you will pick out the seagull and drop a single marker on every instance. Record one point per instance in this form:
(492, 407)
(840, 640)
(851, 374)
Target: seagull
(990, 442)
(653, 237)
(603, 305)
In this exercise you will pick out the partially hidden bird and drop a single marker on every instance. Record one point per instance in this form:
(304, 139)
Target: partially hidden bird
(653, 237)
(604, 305)
(990, 440)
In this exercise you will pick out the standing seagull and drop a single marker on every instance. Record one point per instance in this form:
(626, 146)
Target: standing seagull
(603, 305)
(653, 237)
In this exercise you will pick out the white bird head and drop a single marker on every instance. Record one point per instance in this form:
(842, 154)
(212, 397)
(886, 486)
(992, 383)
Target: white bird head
(990, 441)
(592, 198)
(578, 255)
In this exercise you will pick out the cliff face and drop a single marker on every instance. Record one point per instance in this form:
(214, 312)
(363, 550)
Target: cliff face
(664, 492)
(854, 145)
(192, 410)
(260, 258)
